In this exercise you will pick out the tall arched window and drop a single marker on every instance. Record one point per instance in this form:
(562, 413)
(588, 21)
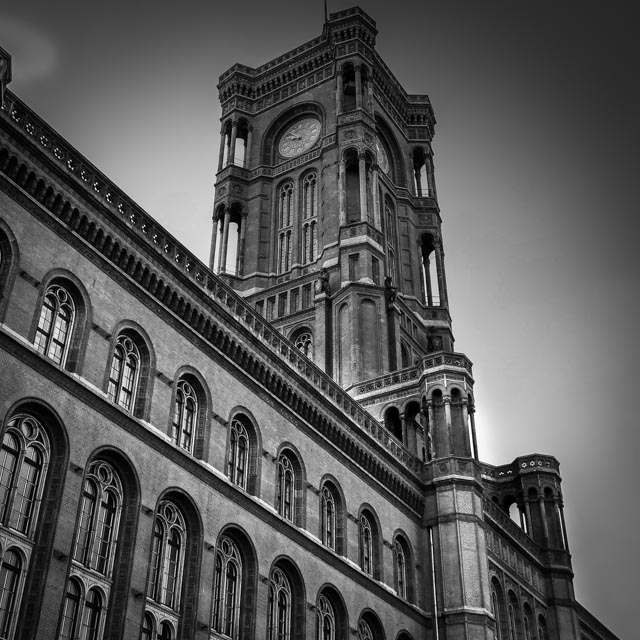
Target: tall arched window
(366, 545)
(286, 487)
(55, 324)
(328, 517)
(279, 606)
(9, 591)
(309, 217)
(238, 453)
(124, 372)
(167, 556)
(401, 569)
(527, 619)
(285, 221)
(23, 461)
(98, 525)
(513, 617)
(227, 590)
(325, 620)
(185, 414)
(497, 606)
(542, 628)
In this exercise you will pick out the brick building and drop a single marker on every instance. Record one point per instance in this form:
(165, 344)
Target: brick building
(280, 444)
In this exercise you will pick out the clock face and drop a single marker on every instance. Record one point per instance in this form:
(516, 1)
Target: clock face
(299, 137)
(381, 155)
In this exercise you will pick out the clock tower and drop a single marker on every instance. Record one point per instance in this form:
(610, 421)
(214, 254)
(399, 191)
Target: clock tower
(326, 220)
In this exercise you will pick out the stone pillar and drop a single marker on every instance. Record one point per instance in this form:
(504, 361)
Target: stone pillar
(362, 174)
(432, 453)
(447, 425)
(472, 411)
(442, 283)
(241, 242)
(358, 86)
(247, 148)
(232, 145)
(543, 517)
(339, 93)
(222, 267)
(223, 142)
(376, 199)
(214, 238)
(427, 276)
(341, 192)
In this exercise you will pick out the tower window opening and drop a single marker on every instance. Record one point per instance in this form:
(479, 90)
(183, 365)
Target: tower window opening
(430, 283)
(348, 88)
(421, 180)
(393, 423)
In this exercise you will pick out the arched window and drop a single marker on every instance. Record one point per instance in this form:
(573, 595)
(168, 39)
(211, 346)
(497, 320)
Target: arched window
(147, 627)
(238, 453)
(309, 217)
(55, 324)
(512, 613)
(185, 416)
(527, 619)
(366, 545)
(286, 487)
(9, 585)
(167, 556)
(542, 628)
(23, 461)
(81, 617)
(303, 340)
(325, 619)
(498, 608)
(401, 569)
(124, 373)
(364, 630)
(279, 606)
(328, 503)
(285, 221)
(99, 520)
(227, 590)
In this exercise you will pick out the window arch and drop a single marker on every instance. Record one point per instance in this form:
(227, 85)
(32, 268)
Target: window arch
(309, 217)
(10, 583)
(497, 603)
(285, 222)
(400, 559)
(167, 556)
(242, 453)
(303, 340)
(24, 458)
(82, 614)
(99, 519)
(542, 628)
(55, 324)
(185, 416)
(128, 375)
(290, 480)
(325, 619)
(279, 612)
(332, 516)
(527, 619)
(369, 543)
(369, 627)
(513, 617)
(227, 589)
(286, 487)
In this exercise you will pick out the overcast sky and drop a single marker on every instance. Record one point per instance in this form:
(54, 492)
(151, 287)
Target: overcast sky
(537, 144)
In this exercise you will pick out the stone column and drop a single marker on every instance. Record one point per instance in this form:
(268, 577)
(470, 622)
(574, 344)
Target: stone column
(339, 93)
(232, 145)
(223, 142)
(362, 174)
(341, 194)
(472, 411)
(376, 199)
(247, 147)
(447, 419)
(214, 239)
(427, 276)
(358, 86)
(241, 241)
(222, 267)
(442, 283)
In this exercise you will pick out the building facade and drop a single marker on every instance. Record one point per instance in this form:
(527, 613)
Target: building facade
(279, 444)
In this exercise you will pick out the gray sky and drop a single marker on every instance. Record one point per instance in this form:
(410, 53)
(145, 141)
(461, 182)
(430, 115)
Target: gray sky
(536, 146)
